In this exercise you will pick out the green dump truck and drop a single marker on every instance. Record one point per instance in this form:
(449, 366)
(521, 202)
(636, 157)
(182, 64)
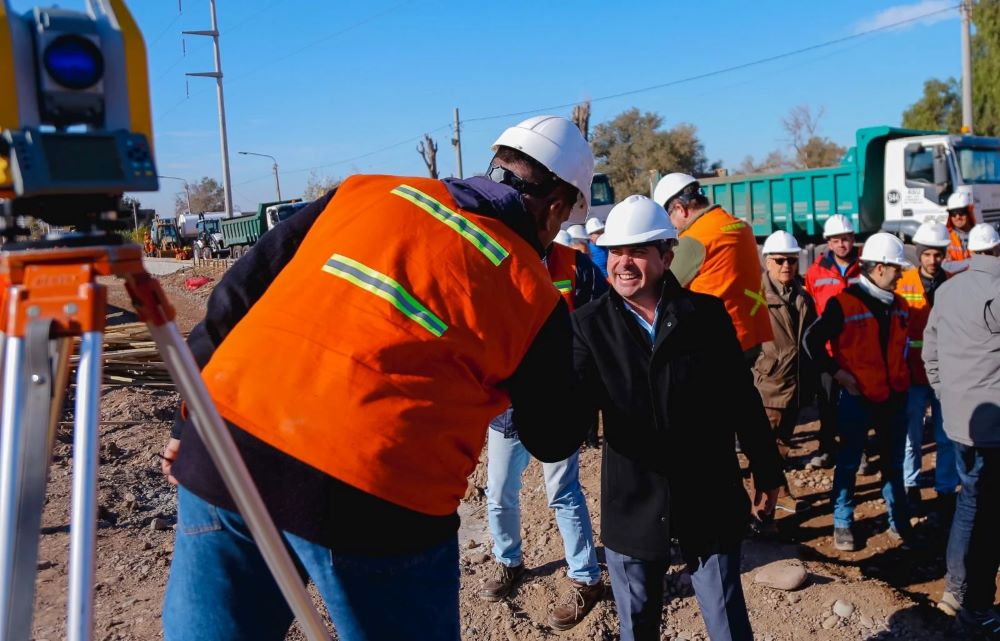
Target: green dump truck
(235, 236)
(892, 180)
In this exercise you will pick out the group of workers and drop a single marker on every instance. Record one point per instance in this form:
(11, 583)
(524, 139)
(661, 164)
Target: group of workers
(389, 357)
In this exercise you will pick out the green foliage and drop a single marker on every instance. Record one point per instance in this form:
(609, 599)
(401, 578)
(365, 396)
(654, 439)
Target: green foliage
(941, 107)
(633, 145)
(206, 195)
(135, 235)
(808, 149)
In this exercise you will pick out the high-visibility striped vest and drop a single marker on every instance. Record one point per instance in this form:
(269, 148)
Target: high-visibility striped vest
(378, 353)
(731, 271)
(561, 263)
(911, 288)
(858, 350)
(824, 280)
(957, 250)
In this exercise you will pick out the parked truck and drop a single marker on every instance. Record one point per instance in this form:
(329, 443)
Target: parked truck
(602, 199)
(235, 236)
(892, 180)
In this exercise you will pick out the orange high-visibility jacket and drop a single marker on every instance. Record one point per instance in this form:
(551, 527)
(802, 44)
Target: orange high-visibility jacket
(561, 264)
(377, 354)
(858, 350)
(731, 271)
(911, 288)
(956, 249)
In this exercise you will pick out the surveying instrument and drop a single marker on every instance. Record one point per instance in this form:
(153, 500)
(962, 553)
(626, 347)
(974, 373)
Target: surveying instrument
(75, 134)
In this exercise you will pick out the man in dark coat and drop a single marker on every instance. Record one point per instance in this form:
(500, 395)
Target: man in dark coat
(664, 366)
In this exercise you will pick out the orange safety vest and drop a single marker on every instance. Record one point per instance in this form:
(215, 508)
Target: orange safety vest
(377, 354)
(911, 288)
(857, 350)
(731, 271)
(956, 250)
(561, 263)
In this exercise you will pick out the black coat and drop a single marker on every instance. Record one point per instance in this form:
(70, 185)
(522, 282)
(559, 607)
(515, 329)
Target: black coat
(671, 412)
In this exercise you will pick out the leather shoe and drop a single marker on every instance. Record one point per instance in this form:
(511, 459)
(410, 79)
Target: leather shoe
(575, 605)
(502, 582)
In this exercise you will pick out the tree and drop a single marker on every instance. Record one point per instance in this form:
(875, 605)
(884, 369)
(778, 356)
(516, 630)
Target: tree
(941, 106)
(807, 149)
(428, 151)
(206, 195)
(633, 144)
(810, 149)
(581, 118)
(317, 186)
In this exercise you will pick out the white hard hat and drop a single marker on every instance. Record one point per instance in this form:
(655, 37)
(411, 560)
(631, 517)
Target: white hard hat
(577, 232)
(960, 200)
(781, 242)
(932, 234)
(836, 225)
(594, 225)
(637, 220)
(563, 238)
(670, 186)
(558, 144)
(983, 237)
(884, 248)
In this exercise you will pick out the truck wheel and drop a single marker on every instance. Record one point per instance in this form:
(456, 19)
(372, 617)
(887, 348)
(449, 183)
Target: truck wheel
(236, 252)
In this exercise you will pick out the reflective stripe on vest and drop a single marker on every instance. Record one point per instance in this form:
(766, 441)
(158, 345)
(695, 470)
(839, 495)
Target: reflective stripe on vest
(465, 227)
(725, 229)
(387, 289)
(827, 281)
(757, 297)
(564, 286)
(561, 265)
(854, 318)
(917, 344)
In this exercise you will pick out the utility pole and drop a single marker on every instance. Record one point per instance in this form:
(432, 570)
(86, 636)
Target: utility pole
(457, 143)
(217, 74)
(966, 10)
(274, 167)
(187, 191)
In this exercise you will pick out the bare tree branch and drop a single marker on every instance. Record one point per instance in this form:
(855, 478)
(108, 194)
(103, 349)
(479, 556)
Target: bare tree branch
(428, 152)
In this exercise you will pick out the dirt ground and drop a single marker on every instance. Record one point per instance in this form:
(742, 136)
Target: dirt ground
(891, 591)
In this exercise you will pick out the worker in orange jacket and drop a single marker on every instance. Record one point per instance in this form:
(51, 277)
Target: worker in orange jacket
(917, 287)
(717, 255)
(961, 220)
(358, 352)
(866, 324)
(834, 270)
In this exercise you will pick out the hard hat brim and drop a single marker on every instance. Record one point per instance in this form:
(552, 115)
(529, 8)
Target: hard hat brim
(636, 239)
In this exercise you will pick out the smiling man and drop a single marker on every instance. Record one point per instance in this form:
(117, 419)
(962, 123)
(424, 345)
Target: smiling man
(664, 366)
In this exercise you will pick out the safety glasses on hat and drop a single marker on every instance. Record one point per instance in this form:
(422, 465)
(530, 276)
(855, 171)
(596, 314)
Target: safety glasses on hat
(507, 177)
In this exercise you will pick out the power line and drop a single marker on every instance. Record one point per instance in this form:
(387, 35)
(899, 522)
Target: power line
(718, 72)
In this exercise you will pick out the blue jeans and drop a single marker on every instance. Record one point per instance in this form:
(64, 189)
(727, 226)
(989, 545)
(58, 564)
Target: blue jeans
(220, 587)
(973, 553)
(507, 459)
(945, 474)
(855, 414)
(637, 586)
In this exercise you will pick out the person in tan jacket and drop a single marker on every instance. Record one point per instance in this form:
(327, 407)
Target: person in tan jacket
(782, 372)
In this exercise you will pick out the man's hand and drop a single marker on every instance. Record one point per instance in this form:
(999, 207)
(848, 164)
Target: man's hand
(764, 503)
(848, 382)
(168, 457)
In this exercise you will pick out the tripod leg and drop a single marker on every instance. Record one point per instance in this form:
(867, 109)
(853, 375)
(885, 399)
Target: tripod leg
(25, 452)
(228, 461)
(83, 520)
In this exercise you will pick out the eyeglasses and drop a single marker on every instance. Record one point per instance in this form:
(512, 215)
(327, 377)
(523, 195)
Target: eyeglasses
(505, 176)
(958, 212)
(781, 260)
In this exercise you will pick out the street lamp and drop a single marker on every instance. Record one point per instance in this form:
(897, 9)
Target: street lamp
(187, 192)
(277, 185)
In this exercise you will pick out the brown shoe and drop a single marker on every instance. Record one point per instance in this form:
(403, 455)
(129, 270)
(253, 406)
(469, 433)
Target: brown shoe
(791, 505)
(575, 605)
(502, 582)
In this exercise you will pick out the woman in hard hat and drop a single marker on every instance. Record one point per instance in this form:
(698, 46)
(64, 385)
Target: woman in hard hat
(961, 220)
(917, 287)
(784, 376)
(866, 327)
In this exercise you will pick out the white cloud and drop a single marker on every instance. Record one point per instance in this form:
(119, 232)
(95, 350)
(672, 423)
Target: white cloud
(910, 14)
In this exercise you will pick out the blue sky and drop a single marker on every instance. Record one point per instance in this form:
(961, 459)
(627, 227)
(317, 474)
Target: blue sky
(324, 84)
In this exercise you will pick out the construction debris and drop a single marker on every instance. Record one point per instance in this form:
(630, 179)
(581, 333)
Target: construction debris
(131, 358)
